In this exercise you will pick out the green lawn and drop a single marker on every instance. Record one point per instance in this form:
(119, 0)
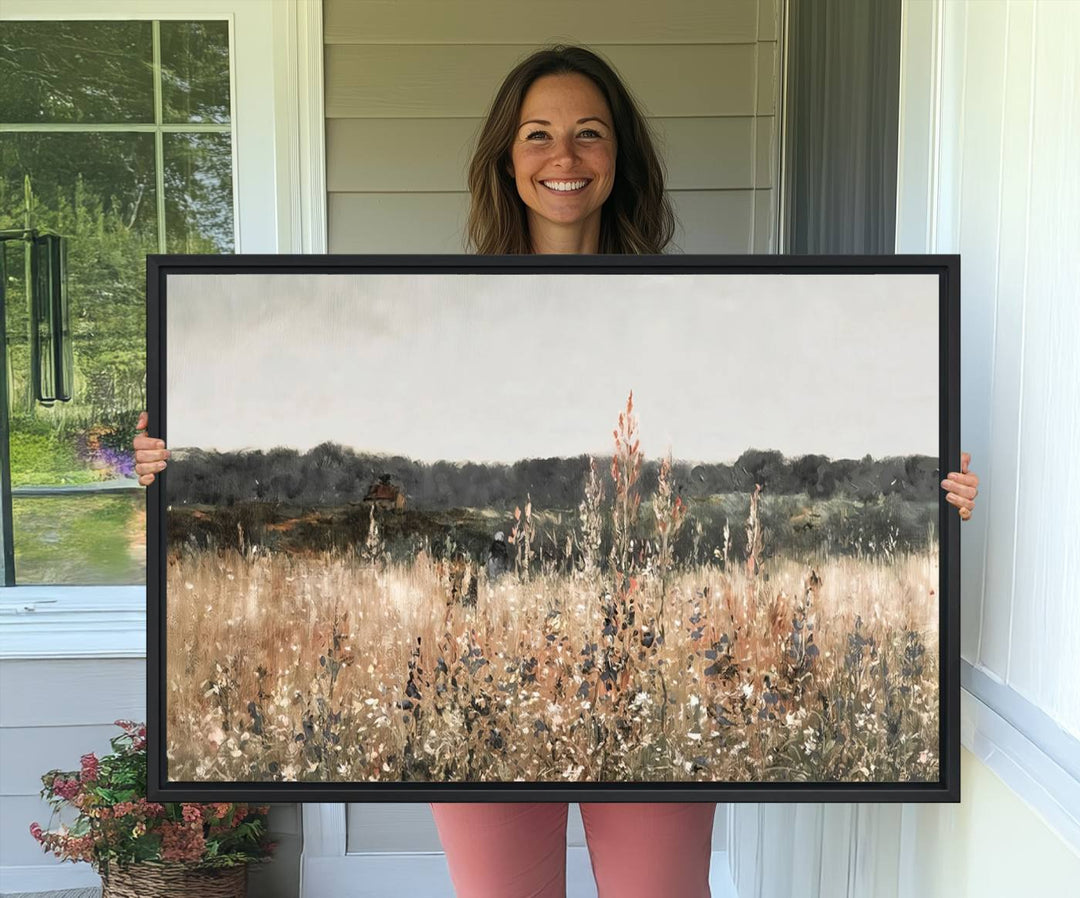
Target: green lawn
(80, 540)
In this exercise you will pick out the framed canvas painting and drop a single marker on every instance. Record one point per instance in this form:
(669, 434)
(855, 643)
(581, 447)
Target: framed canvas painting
(568, 528)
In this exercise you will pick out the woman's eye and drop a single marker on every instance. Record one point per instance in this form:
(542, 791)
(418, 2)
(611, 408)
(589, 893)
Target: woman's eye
(588, 132)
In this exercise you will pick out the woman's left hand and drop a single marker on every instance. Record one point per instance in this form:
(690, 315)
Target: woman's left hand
(962, 487)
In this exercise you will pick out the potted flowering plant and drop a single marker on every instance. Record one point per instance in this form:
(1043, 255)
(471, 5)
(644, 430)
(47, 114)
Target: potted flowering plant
(141, 847)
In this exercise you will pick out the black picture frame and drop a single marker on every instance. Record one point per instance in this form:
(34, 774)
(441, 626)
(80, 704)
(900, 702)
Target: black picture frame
(947, 789)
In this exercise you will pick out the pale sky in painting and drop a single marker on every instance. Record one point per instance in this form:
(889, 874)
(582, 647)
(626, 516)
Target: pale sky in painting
(504, 367)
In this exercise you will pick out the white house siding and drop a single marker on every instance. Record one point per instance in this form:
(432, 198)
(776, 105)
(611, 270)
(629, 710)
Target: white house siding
(54, 711)
(408, 83)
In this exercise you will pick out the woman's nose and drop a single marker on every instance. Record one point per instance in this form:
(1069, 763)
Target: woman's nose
(564, 149)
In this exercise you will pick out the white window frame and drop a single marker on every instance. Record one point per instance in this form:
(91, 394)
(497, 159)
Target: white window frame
(279, 203)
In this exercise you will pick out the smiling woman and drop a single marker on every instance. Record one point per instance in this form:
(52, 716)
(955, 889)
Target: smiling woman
(560, 118)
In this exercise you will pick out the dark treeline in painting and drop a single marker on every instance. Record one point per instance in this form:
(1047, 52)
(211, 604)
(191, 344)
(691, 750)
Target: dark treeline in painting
(331, 496)
(332, 474)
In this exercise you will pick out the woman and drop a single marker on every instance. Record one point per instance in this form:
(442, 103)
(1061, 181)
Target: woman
(565, 164)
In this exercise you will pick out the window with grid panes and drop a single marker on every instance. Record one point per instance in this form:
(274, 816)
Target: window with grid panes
(118, 136)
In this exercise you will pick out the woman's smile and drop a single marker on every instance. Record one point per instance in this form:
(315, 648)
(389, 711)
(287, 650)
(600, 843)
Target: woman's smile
(573, 186)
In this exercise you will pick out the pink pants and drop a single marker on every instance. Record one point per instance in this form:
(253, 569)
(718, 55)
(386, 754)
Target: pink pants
(503, 850)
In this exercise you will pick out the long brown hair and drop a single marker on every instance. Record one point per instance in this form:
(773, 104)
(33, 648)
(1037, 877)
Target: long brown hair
(637, 216)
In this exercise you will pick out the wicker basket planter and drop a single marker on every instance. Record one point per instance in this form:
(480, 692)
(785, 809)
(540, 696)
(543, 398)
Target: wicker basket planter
(163, 880)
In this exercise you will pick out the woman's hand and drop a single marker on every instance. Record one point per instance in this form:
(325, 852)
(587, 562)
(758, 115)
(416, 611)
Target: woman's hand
(150, 453)
(962, 487)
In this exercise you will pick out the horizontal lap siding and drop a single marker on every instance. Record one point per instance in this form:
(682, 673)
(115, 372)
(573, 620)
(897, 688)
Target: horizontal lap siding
(408, 83)
(708, 221)
(55, 711)
(432, 81)
(432, 155)
(477, 22)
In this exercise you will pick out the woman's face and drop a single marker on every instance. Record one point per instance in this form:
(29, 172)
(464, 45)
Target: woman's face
(563, 154)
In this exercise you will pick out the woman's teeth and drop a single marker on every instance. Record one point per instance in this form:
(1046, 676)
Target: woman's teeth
(564, 186)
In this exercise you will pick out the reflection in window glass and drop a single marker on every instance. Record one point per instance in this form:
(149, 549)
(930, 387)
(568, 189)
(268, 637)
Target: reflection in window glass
(79, 515)
(76, 72)
(198, 193)
(83, 540)
(195, 71)
(98, 190)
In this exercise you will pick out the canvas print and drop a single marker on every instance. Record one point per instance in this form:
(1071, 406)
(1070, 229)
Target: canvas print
(571, 528)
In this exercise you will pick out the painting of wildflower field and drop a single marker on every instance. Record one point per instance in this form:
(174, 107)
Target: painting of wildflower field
(551, 528)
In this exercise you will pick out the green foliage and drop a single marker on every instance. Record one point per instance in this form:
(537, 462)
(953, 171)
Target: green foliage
(41, 458)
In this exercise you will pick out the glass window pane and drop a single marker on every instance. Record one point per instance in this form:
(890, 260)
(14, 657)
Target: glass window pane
(195, 72)
(98, 190)
(76, 72)
(198, 193)
(81, 540)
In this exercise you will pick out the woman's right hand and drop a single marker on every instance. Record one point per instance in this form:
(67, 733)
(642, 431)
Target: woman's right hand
(150, 453)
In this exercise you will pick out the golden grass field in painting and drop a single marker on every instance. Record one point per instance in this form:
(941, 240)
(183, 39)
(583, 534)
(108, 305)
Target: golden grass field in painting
(333, 668)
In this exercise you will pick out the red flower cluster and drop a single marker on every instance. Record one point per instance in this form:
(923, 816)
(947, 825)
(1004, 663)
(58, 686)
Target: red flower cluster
(140, 808)
(137, 732)
(181, 842)
(90, 768)
(65, 788)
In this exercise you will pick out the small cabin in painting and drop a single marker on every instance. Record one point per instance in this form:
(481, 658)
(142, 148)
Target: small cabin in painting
(384, 494)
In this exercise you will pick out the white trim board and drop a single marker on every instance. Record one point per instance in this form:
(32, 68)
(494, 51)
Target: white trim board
(301, 132)
(1059, 745)
(1044, 785)
(40, 622)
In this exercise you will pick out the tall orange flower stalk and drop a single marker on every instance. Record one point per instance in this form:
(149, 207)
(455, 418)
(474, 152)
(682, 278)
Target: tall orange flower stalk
(625, 470)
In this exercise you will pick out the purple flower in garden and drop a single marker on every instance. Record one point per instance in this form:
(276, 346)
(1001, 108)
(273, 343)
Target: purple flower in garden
(112, 462)
(120, 462)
